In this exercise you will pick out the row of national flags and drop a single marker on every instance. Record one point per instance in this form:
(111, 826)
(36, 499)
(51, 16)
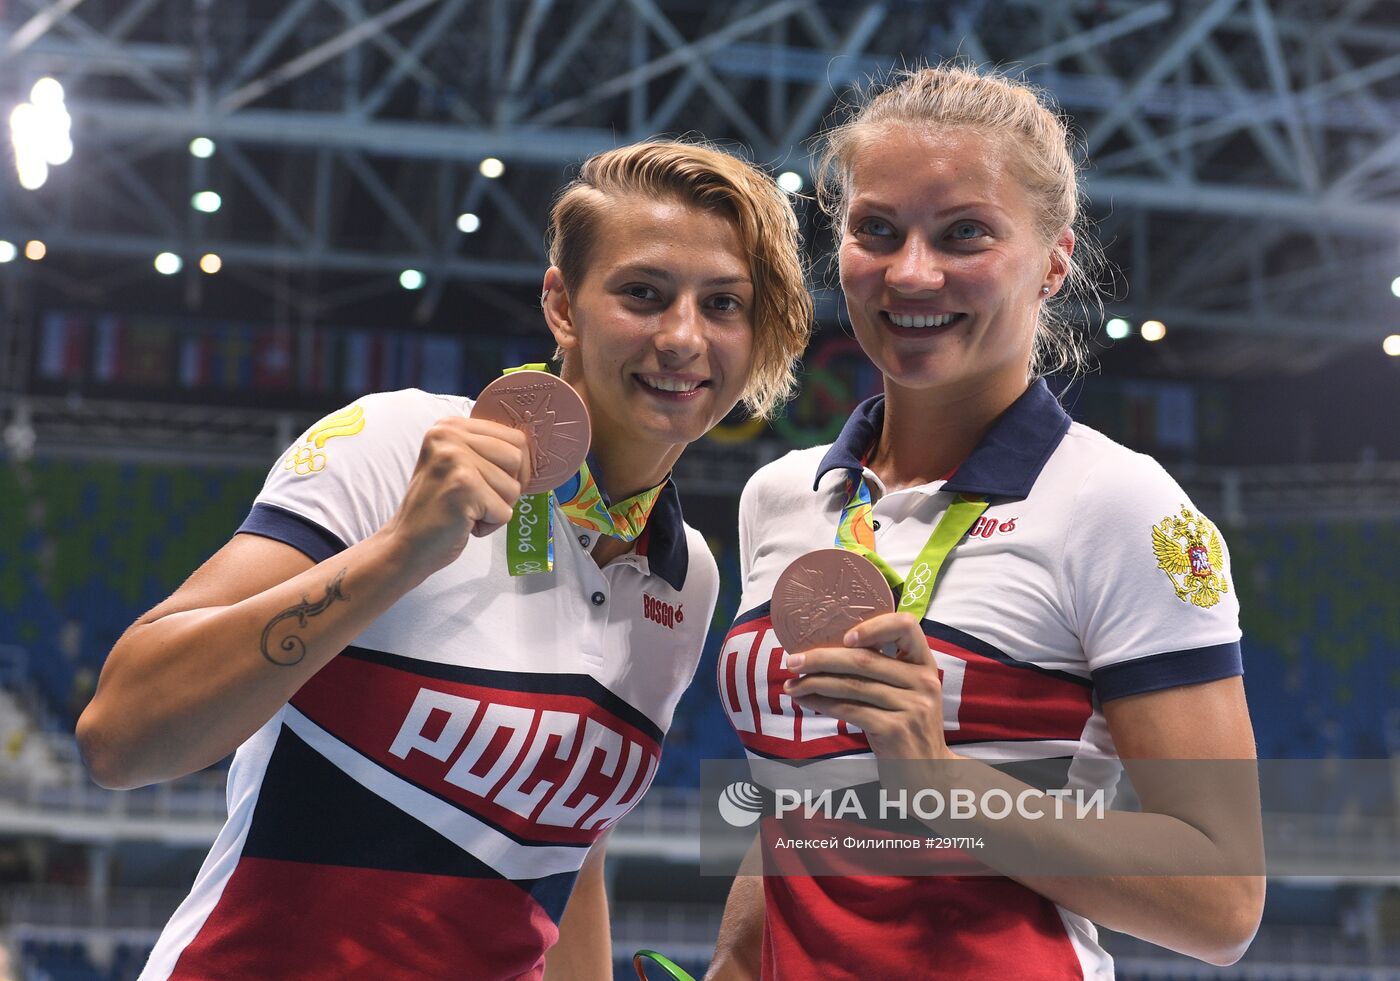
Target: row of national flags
(200, 356)
(1159, 416)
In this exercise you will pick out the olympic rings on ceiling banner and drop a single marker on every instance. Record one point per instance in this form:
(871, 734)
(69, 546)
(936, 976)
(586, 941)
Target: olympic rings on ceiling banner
(819, 413)
(740, 432)
(833, 378)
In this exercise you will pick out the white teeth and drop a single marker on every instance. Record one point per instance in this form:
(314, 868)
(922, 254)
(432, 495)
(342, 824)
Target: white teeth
(909, 320)
(671, 384)
(903, 320)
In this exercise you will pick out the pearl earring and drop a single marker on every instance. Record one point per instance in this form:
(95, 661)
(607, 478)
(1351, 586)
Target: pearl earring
(1045, 290)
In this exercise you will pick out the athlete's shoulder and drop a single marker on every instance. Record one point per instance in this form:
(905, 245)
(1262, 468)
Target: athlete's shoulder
(702, 570)
(412, 405)
(1118, 495)
(1106, 471)
(375, 427)
(785, 480)
(389, 411)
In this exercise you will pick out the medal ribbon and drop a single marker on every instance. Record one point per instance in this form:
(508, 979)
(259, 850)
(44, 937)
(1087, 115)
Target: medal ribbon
(584, 505)
(856, 532)
(530, 532)
(672, 969)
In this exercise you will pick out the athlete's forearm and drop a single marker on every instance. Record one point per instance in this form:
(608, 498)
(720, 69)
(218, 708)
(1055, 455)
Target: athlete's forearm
(584, 949)
(738, 951)
(1211, 918)
(1183, 883)
(183, 691)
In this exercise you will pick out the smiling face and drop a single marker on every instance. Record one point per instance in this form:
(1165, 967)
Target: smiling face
(942, 264)
(658, 335)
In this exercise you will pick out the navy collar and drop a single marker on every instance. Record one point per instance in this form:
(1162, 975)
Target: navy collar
(667, 553)
(1004, 464)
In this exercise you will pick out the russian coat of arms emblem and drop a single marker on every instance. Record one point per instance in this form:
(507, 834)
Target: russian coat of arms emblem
(1190, 552)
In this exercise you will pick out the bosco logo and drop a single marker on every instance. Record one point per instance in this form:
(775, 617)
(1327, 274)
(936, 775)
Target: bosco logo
(659, 611)
(987, 527)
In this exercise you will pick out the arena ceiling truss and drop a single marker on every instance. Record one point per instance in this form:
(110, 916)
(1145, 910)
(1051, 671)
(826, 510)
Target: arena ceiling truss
(1244, 152)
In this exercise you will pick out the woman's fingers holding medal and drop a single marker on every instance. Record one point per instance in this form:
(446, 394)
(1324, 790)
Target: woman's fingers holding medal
(897, 635)
(897, 700)
(467, 478)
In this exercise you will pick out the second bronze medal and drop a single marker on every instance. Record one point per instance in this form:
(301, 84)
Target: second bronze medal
(823, 594)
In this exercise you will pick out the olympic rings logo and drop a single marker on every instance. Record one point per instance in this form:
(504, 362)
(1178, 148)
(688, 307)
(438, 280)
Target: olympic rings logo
(835, 377)
(916, 584)
(304, 460)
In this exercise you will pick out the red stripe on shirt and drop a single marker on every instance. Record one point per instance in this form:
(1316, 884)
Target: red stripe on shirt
(941, 928)
(332, 923)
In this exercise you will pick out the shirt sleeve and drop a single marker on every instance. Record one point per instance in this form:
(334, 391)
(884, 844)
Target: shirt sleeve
(1147, 581)
(345, 476)
(747, 504)
(705, 571)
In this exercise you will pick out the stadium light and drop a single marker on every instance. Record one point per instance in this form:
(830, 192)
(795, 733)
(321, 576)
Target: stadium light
(411, 279)
(41, 133)
(206, 201)
(790, 181)
(468, 222)
(168, 263)
(210, 263)
(1391, 345)
(7, 251)
(1118, 328)
(47, 93)
(1153, 330)
(492, 168)
(202, 147)
(35, 250)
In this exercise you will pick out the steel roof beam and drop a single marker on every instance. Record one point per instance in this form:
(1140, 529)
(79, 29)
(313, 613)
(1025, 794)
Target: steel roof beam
(809, 113)
(284, 257)
(1173, 53)
(1371, 219)
(676, 58)
(320, 54)
(38, 25)
(1267, 31)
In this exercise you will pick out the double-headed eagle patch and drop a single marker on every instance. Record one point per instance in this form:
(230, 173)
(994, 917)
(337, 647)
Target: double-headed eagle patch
(1190, 552)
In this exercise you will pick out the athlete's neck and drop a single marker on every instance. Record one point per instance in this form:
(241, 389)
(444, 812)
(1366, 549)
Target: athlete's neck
(627, 470)
(928, 433)
(625, 467)
(638, 472)
(608, 548)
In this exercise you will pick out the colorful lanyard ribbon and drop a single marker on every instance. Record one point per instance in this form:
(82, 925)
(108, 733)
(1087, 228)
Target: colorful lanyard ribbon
(583, 502)
(530, 532)
(672, 969)
(856, 532)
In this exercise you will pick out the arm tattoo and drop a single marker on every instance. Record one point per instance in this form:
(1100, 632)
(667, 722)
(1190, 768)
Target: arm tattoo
(291, 649)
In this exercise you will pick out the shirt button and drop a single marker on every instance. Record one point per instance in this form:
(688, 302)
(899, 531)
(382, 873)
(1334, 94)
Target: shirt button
(585, 541)
(598, 599)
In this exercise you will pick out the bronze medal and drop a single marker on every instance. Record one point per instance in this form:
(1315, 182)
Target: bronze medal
(549, 413)
(825, 593)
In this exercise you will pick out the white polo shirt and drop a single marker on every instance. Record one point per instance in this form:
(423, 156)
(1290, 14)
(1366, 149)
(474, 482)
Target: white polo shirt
(1090, 576)
(421, 807)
